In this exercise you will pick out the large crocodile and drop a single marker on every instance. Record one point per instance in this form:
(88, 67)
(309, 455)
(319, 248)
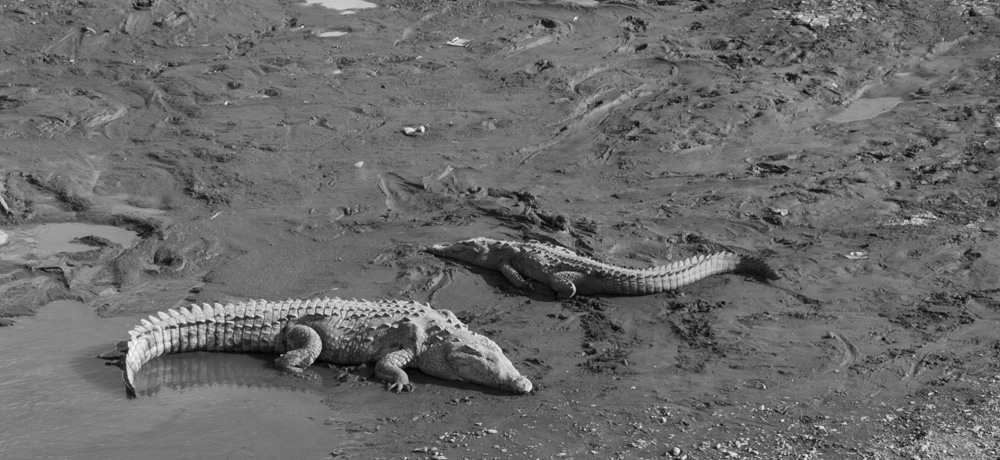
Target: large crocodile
(569, 273)
(394, 334)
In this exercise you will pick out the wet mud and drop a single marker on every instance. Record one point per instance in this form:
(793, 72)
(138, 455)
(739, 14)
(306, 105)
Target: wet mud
(261, 150)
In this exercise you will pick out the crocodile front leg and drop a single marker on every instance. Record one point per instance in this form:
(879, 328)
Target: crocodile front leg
(304, 346)
(390, 369)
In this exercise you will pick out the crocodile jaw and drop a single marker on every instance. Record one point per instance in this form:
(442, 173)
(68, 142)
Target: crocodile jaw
(470, 357)
(469, 251)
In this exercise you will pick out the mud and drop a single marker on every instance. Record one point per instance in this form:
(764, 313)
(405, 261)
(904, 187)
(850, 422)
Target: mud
(258, 150)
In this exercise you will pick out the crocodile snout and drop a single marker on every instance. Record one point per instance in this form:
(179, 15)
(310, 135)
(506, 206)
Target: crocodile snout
(521, 385)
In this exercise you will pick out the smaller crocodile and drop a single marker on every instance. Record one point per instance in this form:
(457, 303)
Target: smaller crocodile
(569, 273)
(394, 334)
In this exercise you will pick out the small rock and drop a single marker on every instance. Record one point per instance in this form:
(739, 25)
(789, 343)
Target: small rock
(411, 131)
(6, 322)
(811, 20)
(980, 10)
(3, 238)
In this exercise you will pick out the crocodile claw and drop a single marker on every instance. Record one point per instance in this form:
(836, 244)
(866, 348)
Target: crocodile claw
(401, 388)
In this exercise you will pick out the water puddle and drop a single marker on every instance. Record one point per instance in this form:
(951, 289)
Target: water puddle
(47, 239)
(185, 371)
(586, 3)
(342, 5)
(58, 401)
(863, 109)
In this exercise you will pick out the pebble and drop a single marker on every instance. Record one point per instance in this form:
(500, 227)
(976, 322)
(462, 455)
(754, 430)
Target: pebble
(980, 10)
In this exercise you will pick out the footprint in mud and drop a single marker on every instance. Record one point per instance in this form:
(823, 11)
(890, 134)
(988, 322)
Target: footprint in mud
(56, 113)
(414, 273)
(541, 32)
(408, 197)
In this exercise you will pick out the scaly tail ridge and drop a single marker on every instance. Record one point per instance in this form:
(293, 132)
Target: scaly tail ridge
(684, 272)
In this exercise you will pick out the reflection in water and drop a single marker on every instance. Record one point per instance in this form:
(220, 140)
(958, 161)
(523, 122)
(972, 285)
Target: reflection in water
(57, 401)
(186, 371)
(342, 4)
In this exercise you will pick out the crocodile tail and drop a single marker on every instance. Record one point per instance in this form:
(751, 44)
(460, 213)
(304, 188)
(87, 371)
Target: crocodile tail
(683, 272)
(251, 326)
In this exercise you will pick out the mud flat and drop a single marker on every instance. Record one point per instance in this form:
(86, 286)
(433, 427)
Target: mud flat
(261, 152)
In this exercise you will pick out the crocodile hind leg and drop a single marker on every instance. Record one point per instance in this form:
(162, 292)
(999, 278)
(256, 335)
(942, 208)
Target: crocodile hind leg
(514, 277)
(303, 345)
(564, 283)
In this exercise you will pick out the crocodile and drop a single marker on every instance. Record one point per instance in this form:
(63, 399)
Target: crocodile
(569, 273)
(394, 334)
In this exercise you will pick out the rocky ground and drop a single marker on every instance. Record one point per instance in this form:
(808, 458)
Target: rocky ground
(260, 149)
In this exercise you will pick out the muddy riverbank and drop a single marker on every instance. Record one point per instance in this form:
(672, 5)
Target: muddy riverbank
(260, 150)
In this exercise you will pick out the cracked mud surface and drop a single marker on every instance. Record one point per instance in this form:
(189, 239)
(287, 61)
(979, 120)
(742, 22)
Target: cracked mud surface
(853, 145)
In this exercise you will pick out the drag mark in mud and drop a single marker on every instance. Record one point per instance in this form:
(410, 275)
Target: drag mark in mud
(850, 352)
(439, 281)
(926, 355)
(407, 196)
(590, 113)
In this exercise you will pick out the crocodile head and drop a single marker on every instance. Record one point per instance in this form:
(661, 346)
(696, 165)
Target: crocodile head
(467, 356)
(475, 251)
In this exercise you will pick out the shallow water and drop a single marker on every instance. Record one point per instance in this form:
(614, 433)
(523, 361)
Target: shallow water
(58, 401)
(864, 109)
(342, 4)
(47, 239)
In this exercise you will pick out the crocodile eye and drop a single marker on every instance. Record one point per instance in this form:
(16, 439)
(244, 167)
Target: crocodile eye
(469, 350)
